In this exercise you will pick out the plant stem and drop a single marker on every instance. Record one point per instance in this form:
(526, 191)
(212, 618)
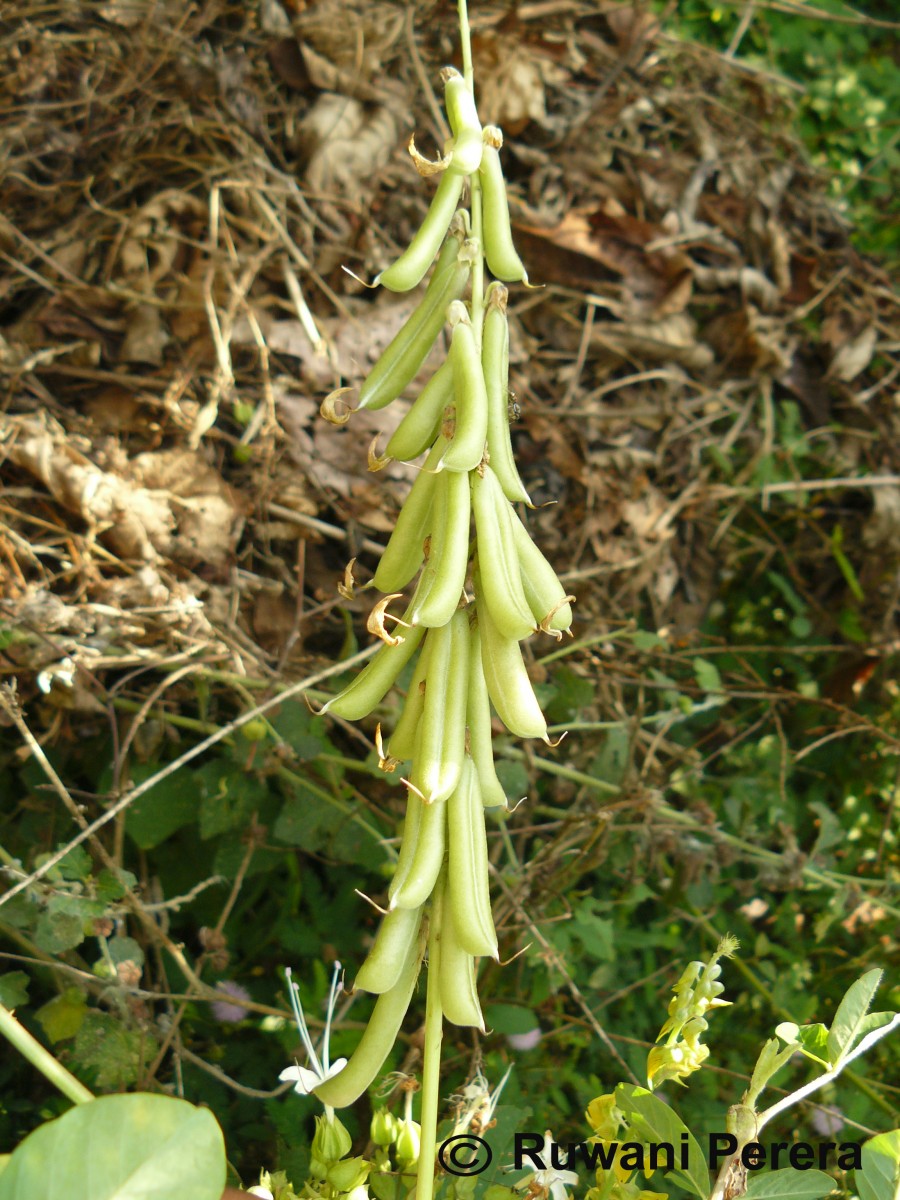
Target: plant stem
(29, 1047)
(465, 38)
(431, 1070)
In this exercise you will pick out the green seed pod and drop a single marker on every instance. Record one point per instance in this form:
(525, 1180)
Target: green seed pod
(405, 550)
(467, 144)
(456, 973)
(507, 680)
(378, 1039)
(501, 577)
(478, 723)
(410, 267)
(442, 730)
(431, 845)
(466, 448)
(403, 740)
(408, 845)
(546, 596)
(384, 962)
(371, 685)
(502, 259)
(495, 366)
(467, 872)
(400, 362)
(440, 587)
(421, 425)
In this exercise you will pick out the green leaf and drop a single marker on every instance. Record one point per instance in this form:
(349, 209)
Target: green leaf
(228, 796)
(813, 1041)
(120, 1148)
(571, 692)
(63, 1016)
(847, 1026)
(303, 732)
(125, 949)
(509, 1018)
(111, 885)
(13, 989)
(652, 1121)
(57, 931)
(112, 1053)
(879, 1176)
(707, 675)
(514, 778)
(789, 1184)
(165, 808)
(771, 1059)
(76, 864)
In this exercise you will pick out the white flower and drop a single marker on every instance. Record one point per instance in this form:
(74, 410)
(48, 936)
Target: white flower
(307, 1079)
(549, 1181)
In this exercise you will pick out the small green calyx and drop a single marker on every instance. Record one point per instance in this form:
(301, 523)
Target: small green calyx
(349, 1174)
(384, 1128)
(331, 1140)
(408, 1143)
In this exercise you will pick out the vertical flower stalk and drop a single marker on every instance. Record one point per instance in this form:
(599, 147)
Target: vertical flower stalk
(478, 588)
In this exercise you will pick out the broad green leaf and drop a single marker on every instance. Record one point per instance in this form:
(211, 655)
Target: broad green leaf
(652, 1121)
(112, 1053)
(510, 1018)
(76, 865)
(306, 734)
(165, 808)
(58, 931)
(814, 1041)
(879, 1176)
(125, 949)
(63, 1016)
(111, 885)
(789, 1184)
(228, 795)
(847, 1026)
(13, 989)
(139, 1147)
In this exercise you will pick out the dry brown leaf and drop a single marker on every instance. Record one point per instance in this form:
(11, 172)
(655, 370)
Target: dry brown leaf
(852, 358)
(172, 504)
(344, 142)
(511, 90)
(590, 246)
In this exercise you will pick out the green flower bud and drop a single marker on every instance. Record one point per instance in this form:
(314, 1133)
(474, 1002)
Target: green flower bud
(384, 1127)
(408, 1143)
(331, 1140)
(349, 1174)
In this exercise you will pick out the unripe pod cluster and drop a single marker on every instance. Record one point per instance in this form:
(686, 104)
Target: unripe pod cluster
(479, 588)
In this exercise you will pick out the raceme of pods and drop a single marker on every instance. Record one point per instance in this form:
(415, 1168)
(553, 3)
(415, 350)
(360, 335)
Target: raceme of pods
(478, 588)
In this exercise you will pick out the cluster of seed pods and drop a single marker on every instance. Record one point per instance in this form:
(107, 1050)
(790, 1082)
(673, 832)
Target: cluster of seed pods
(473, 601)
